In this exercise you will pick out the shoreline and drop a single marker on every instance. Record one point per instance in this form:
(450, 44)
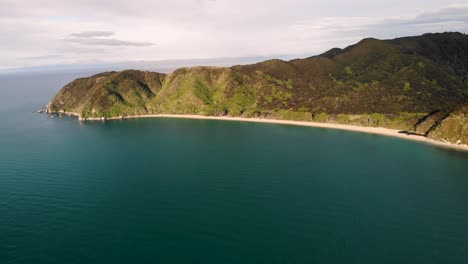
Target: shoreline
(369, 130)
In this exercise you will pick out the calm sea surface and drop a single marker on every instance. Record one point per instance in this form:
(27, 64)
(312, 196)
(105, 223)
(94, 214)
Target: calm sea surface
(195, 191)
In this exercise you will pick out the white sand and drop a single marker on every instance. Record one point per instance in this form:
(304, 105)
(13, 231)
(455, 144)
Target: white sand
(370, 130)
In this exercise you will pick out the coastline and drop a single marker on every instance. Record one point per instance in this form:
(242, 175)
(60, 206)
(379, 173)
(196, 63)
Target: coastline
(369, 130)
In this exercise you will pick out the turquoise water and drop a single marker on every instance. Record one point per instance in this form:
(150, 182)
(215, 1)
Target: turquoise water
(198, 191)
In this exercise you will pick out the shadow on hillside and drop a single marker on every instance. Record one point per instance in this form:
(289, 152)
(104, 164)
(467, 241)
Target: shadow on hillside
(409, 133)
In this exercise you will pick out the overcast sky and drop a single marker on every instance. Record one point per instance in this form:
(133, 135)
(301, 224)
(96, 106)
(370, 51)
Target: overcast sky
(45, 32)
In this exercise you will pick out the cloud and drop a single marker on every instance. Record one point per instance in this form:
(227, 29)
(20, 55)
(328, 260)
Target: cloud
(101, 38)
(92, 34)
(41, 57)
(186, 29)
(458, 13)
(108, 42)
(451, 18)
(447, 16)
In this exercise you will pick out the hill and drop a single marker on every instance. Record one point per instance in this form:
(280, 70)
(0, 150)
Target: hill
(415, 83)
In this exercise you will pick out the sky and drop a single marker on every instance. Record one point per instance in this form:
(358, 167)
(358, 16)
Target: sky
(61, 32)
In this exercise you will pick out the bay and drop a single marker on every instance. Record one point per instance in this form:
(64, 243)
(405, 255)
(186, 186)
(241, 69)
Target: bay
(205, 191)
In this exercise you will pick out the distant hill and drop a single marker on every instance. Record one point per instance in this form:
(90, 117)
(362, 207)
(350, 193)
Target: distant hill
(413, 83)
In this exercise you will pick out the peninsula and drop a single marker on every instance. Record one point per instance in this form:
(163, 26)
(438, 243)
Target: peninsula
(414, 84)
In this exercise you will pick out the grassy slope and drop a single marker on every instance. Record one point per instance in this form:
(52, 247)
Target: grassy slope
(404, 83)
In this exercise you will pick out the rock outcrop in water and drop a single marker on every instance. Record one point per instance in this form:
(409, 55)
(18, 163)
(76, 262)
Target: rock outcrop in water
(416, 83)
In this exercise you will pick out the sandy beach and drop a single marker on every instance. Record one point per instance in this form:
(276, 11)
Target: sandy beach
(369, 130)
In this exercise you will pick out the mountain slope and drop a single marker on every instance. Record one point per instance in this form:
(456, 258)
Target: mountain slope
(392, 83)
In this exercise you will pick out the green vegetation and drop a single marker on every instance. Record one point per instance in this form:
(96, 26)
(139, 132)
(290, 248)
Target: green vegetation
(452, 128)
(391, 83)
(407, 87)
(292, 115)
(344, 119)
(322, 117)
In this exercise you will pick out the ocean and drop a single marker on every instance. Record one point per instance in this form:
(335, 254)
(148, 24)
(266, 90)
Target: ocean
(206, 191)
